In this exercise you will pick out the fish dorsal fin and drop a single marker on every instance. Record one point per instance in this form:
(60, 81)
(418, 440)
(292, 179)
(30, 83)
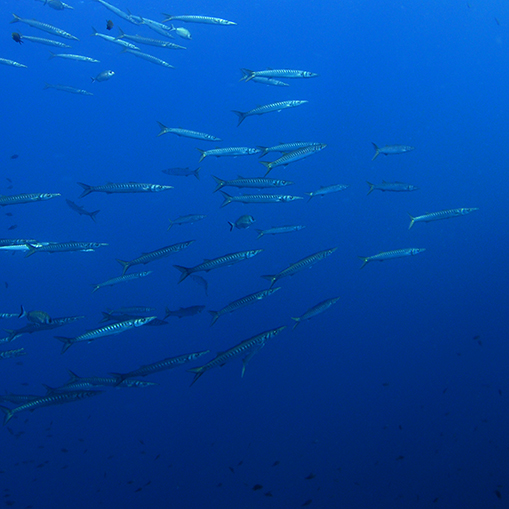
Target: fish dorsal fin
(241, 177)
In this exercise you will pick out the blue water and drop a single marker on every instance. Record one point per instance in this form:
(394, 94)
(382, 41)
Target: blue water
(384, 401)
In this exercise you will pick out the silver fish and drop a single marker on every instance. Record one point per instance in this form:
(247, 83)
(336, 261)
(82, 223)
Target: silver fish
(258, 198)
(389, 255)
(76, 382)
(61, 247)
(160, 28)
(315, 310)
(81, 211)
(135, 20)
(69, 56)
(294, 155)
(277, 73)
(148, 41)
(57, 5)
(44, 27)
(228, 151)
(9, 354)
(183, 312)
(288, 147)
(186, 133)
(261, 79)
(121, 279)
(150, 58)
(12, 63)
(267, 108)
(128, 187)
(189, 219)
(216, 263)
(208, 20)
(184, 33)
(47, 42)
(391, 186)
(391, 149)
(67, 88)
(182, 172)
(327, 190)
(114, 40)
(25, 198)
(103, 76)
(276, 230)
(442, 214)
(254, 183)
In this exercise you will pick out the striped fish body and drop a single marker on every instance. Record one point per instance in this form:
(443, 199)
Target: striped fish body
(216, 263)
(114, 40)
(182, 172)
(388, 255)
(328, 189)
(19, 398)
(44, 27)
(155, 255)
(183, 312)
(157, 27)
(253, 183)
(26, 198)
(268, 108)
(240, 303)
(246, 348)
(148, 41)
(5, 316)
(229, 151)
(189, 219)
(269, 81)
(8, 354)
(67, 88)
(208, 20)
(135, 20)
(52, 399)
(16, 242)
(169, 363)
(117, 188)
(315, 310)
(149, 58)
(391, 149)
(277, 73)
(78, 58)
(47, 42)
(12, 63)
(186, 133)
(280, 229)
(61, 247)
(76, 382)
(305, 263)
(396, 187)
(121, 279)
(442, 214)
(294, 155)
(258, 198)
(288, 147)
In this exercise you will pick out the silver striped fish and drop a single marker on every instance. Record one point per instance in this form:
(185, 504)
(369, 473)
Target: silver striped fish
(41, 40)
(228, 151)
(277, 73)
(442, 214)
(186, 133)
(327, 190)
(149, 58)
(25, 198)
(315, 310)
(61, 247)
(44, 27)
(208, 20)
(254, 183)
(121, 279)
(267, 108)
(148, 41)
(280, 229)
(12, 63)
(128, 187)
(258, 198)
(294, 155)
(388, 255)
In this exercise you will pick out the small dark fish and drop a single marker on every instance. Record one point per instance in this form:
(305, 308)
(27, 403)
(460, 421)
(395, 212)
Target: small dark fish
(231, 470)
(8, 214)
(436, 499)
(12, 227)
(276, 463)
(7, 178)
(138, 490)
(399, 458)
(386, 384)
(109, 24)
(64, 450)
(307, 502)
(17, 38)
(10, 187)
(498, 494)
(257, 487)
(500, 392)
(268, 494)
(310, 476)
(14, 156)
(7, 286)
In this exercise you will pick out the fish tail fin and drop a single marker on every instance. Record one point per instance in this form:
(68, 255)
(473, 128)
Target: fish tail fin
(67, 343)
(121, 33)
(265, 150)
(377, 151)
(185, 272)
(12, 334)
(365, 260)
(215, 317)
(92, 78)
(232, 225)
(72, 376)
(46, 86)
(248, 74)
(93, 214)
(106, 317)
(227, 199)
(203, 155)
(197, 373)
(196, 173)
(241, 115)
(87, 189)
(310, 196)
(120, 377)
(52, 55)
(220, 183)
(167, 312)
(22, 312)
(412, 220)
(267, 165)
(163, 128)
(124, 264)
(31, 250)
(15, 20)
(96, 287)
(7, 411)
(171, 224)
(371, 187)
(270, 278)
(297, 321)
(94, 31)
(261, 233)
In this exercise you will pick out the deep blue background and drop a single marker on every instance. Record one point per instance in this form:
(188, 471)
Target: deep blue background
(391, 371)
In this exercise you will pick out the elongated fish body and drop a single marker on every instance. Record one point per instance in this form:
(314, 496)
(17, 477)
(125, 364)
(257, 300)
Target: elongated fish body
(189, 219)
(240, 303)
(216, 263)
(208, 20)
(25, 198)
(39, 327)
(442, 214)
(165, 364)
(289, 147)
(47, 42)
(157, 27)
(67, 88)
(183, 312)
(148, 41)
(114, 40)
(108, 330)
(269, 81)
(108, 317)
(253, 183)
(305, 263)
(186, 133)
(121, 279)
(229, 151)
(19, 398)
(128, 187)
(246, 348)
(132, 19)
(280, 229)
(397, 187)
(315, 310)
(391, 149)
(258, 198)
(133, 309)
(44, 27)
(52, 399)
(12, 63)
(57, 5)
(150, 58)
(5, 316)
(182, 172)
(76, 382)
(277, 73)
(267, 108)
(16, 244)
(389, 255)
(61, 247)
(294, 155)
(328, 190)
(77, 58)
(243, 222)
(8, 354)
(155, 255)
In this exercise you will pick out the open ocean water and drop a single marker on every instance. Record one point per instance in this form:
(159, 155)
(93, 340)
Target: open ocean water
(394, 397)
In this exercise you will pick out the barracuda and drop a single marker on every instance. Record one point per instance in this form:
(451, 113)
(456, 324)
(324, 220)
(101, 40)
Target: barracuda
(267, 108)
(276, 230)
(208, 20)
(128, 187)
(396, 187)
(44, 27)
(186, 133)
(120, 279)
(294, 155)
(388, 255)
(277, 73)
(315, 310)
(443, 214)
(69, 56)
(327, 190)
(148, 41)
(253, 183)
(25, 198)
(60, 247)
(258, 198)
(228, 151)
(149, 58)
